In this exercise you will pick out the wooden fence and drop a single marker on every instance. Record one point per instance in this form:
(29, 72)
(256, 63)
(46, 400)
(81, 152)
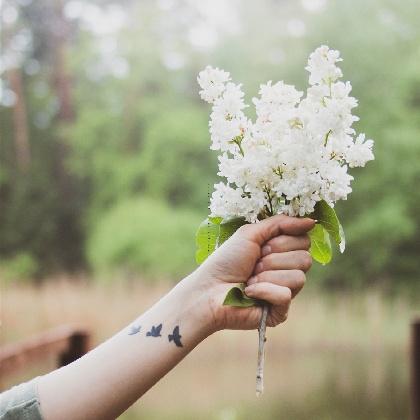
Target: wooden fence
(66, 343)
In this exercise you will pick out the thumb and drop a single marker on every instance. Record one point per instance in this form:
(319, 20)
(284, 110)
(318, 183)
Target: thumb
(274, 226)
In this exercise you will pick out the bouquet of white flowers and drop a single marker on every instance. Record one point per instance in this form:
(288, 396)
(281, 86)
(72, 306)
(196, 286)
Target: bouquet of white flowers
(292, 160)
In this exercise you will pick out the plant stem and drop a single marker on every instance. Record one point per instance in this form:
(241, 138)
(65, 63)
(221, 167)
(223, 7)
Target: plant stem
(267, 191)
(259, 388)
(326, 137)
(240, 147)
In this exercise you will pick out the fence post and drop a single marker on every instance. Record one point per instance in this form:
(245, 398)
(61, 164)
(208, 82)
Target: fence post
(415, 369)
(78, 346)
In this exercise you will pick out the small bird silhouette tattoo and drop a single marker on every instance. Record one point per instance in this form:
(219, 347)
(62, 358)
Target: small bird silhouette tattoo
(155, 331)
(175, 337)
(134, 330)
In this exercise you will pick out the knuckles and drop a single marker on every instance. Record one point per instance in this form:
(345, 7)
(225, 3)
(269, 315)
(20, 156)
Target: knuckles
(245, 230)
(306, 260)
(287, 298)
(301, 260)
(300, 279)
(284, 243)
(307, 242)
(280, 243)
(267, 262)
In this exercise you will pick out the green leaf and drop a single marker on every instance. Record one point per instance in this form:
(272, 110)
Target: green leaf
(216, 220)
(327, 217)
(237, 297)
(229, 227)
(206, 239)
(212, 232)
(320, 244)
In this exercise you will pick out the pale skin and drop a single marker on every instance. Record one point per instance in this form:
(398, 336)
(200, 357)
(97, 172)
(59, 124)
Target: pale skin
(271, 257)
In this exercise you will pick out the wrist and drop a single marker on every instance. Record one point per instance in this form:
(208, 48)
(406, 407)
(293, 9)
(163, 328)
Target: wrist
(201, 295)
(190, 301)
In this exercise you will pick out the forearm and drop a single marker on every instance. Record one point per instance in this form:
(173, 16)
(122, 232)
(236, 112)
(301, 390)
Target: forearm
(106, 381)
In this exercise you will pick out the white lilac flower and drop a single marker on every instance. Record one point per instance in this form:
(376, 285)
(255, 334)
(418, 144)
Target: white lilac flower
(298, 150)
(322, 66)
(226, 201)
(212, 82)
(360, 152)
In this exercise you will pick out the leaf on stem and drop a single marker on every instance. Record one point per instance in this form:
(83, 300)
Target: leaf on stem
(212, 232)
(327, 217)
(206, 238)
(320, 244)
(229, 227)
(237, 297)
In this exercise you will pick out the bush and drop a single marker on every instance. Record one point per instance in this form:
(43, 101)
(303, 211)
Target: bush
(143, 236)
(21, 267)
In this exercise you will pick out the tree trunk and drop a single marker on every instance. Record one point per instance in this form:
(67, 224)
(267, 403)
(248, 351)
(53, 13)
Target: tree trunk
(20, 123)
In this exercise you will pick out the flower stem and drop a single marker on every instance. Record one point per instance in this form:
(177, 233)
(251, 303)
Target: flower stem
(259, 387)
(240, 147)
(270, 202)
(326, 137)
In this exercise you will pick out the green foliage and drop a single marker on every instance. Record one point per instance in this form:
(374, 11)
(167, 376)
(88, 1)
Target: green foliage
(212, 232)
(229, 227)
(22, 266)
(174, 159)
(143, 236)
(327, 218)
(236, 297)
(328, 226)
(206, 239)
(320, 244)
(145, 133)
(37, 220)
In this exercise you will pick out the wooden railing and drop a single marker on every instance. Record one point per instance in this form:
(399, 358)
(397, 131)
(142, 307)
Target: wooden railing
(415, 369)
(66, 343)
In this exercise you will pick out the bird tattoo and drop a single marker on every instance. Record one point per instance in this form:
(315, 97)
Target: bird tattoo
(155, 331)
(175, 337)
(134, 330)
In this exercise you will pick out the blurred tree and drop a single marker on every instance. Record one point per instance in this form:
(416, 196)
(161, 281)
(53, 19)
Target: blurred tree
(113, 113)
(39, 206)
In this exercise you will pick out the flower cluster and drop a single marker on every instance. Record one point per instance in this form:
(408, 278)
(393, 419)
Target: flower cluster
(297, 151)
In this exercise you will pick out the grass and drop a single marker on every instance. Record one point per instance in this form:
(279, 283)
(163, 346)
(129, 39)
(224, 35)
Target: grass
(335, 349)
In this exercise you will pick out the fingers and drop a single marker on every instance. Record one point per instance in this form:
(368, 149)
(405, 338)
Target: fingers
(275, 295)
(292, 260)
(285, 243)
(274, 226)
(293, 279)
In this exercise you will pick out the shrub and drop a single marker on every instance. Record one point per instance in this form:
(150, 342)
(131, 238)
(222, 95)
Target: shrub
(143, 236)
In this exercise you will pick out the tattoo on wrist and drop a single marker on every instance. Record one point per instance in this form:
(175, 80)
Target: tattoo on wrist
(155, 331)
(134, 329)
(175, 337)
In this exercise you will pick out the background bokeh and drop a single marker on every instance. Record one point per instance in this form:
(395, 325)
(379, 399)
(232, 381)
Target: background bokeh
(105, 173)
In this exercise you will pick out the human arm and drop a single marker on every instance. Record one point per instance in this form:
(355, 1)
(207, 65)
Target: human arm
(106, 381)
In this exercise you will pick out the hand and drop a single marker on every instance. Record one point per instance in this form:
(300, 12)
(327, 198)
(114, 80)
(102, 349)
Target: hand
(271, 257)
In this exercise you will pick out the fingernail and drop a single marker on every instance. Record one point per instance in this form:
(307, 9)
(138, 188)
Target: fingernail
(249, 290)
(252, 280)
(266, 250)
